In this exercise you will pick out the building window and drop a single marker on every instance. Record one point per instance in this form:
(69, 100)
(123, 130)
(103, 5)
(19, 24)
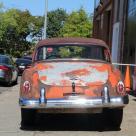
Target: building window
(118, 11)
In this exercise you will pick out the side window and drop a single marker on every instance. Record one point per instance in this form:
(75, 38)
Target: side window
(41, 54)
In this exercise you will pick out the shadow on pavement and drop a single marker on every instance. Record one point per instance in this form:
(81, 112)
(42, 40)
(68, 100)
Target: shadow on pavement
(70, 122)
(5, 85)
(132, 93)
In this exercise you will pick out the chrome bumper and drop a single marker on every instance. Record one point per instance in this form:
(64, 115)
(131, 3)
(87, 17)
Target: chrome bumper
(70, 104)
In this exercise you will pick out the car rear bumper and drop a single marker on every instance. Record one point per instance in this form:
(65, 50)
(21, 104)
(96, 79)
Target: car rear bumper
(3, 80)
(4, 77)
(94, 105)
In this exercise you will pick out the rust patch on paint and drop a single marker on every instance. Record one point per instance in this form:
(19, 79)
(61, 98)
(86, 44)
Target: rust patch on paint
(89, 92)
(43, 67)
(95, 83)
(35, 79)
(80, 72)
(65, 82)
(114, 77)
(100, 68)
(43, 78)
(54, 92)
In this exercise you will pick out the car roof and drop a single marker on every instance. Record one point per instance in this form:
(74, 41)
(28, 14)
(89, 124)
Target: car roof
(26, 57)
(58, 41)
(4, 56)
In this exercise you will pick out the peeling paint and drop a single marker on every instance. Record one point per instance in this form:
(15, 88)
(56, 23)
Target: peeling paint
(63, 73)
(57, 76)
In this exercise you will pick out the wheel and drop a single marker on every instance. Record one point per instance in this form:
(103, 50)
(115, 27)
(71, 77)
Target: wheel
(114, 117)
(28, 117)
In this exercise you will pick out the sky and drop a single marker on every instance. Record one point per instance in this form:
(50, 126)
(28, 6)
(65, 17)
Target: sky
(37, 7)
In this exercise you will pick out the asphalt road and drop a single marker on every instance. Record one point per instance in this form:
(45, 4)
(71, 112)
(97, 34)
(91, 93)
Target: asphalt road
(60, 125)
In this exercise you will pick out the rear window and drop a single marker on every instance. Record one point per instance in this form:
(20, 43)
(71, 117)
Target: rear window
(73, 52)
(23, 61)
(29, 58)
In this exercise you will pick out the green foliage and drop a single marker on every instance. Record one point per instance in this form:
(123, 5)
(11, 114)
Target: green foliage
(16, 27)
(55, 21)
(64, 52)
(78, 24)
(71, 51)
(37, 28)
(19, 30)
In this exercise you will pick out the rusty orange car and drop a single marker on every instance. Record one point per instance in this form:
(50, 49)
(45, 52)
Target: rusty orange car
(72, 75)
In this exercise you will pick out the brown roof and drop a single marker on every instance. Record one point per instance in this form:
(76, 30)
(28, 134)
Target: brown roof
(56, 41)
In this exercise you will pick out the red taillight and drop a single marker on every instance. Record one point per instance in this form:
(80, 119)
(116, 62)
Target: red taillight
(26, 86)
(120, 87)
(4, 68)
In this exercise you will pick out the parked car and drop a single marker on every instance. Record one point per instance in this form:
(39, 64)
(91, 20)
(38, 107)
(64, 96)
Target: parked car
(22, 64)
(72, 75)
(8, 71)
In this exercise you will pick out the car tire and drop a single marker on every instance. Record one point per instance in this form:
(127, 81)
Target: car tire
(114, 117)
(28, 117)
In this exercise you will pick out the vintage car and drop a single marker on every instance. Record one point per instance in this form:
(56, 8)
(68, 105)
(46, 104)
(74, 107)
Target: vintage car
(72, 75)
(8, 71)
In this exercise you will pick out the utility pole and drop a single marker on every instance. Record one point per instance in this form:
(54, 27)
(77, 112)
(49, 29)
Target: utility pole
(45, 21)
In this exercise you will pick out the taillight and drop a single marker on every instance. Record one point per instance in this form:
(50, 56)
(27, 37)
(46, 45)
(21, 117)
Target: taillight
(4, 68)
(26, 86)
(120, 87)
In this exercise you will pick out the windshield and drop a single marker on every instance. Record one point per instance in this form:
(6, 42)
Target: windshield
(73, 52)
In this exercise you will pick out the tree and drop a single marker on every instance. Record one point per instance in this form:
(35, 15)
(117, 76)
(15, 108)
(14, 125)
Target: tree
(56, 20)
(37, 28)
(17, 28)
(78, 24)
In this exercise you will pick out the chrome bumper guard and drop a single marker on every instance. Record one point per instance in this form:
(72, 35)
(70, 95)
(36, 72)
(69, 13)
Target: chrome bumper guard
(71, 103)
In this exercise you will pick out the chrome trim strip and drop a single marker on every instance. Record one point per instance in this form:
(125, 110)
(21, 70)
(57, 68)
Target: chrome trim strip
(27, 102)
(72, 103)
(42, 96)
(105, 95)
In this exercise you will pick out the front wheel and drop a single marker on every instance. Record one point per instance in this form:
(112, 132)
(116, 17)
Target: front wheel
(114, 117)
(28, 117)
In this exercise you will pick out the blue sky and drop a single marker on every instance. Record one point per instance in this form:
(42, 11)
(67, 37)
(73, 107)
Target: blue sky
(36, 7)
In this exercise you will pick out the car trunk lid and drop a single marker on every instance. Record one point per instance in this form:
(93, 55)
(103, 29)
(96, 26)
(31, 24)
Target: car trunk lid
(72, 78)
